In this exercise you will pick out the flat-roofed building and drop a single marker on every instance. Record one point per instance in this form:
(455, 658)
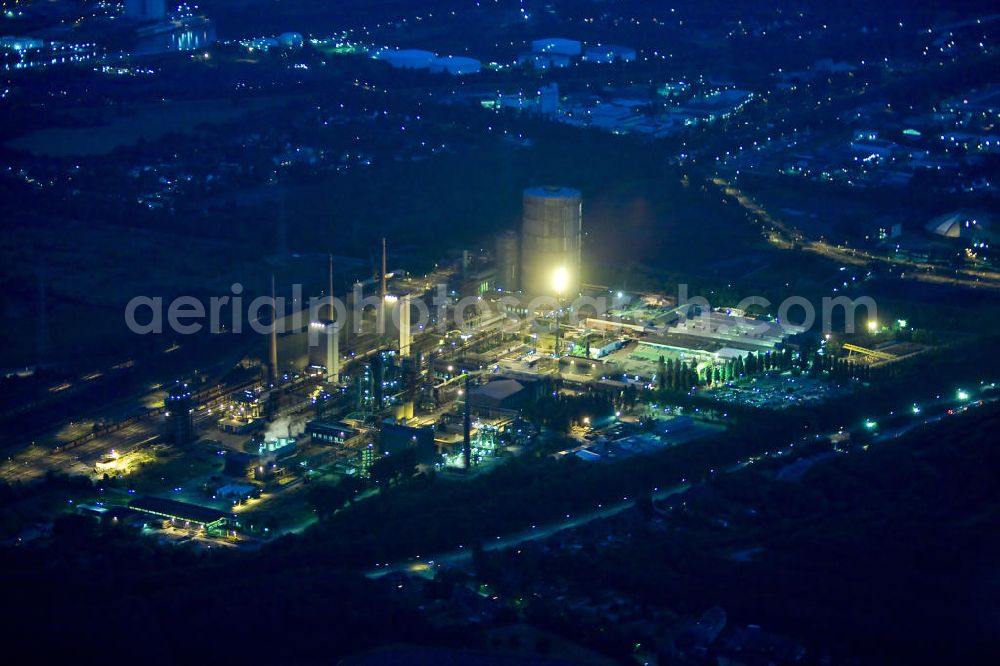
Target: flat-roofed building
(333, 432)
(190, 514)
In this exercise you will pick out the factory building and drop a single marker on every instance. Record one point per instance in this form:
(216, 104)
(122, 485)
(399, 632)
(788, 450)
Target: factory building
(731, 330)
(508, 261)
(405, 327)
(543, 61)
(326, 351)
(408, 58)
(211, 520)
(550, 241)
(478, 282)
(557, 45)
(395, 438)
(457, 65)
(609, 53)
(336, 432)
(398, 312)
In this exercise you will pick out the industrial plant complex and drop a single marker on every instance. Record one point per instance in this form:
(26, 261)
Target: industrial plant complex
(502, 332)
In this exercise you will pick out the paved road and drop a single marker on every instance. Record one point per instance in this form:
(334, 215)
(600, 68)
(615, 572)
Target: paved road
(535, 533)
(931, 412)
(914, 270)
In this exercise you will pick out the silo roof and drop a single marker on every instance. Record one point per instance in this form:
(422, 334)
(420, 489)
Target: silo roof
(553, 192)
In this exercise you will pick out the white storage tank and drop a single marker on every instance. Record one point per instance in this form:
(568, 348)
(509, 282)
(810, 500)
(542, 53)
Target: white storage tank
(457, 65)
(408, 58)
(568, 47)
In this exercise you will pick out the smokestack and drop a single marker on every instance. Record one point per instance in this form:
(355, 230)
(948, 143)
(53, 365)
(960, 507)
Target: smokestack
(330, 291)
(274, 335)
(383, 292)
(467, 429)
(381, 314)
(333, 353)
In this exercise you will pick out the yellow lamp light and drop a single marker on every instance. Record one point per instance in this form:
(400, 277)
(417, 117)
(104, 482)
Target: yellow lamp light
(560, 280)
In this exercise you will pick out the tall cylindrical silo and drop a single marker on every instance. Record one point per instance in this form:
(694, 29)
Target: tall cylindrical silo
(550, 240)
(508, 261)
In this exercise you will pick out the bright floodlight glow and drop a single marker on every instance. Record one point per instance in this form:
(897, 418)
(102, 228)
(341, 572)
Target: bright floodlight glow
(560, 279)
(963, 395)
(872, 325)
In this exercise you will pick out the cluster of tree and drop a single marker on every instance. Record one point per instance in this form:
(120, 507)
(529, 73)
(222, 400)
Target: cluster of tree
(387, 470)
(97, 575)
(560, 412)
(677, 375)
(393, 469)
(328, 498)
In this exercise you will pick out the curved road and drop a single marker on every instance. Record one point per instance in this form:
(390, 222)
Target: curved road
(930, 412)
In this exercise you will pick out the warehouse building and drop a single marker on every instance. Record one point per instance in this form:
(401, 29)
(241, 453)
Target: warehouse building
(192, 515)
(335, 432)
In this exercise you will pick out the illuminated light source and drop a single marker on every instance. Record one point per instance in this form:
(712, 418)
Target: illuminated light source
(963, 395)
(872, 325)
(870, 424)
(560, 279)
